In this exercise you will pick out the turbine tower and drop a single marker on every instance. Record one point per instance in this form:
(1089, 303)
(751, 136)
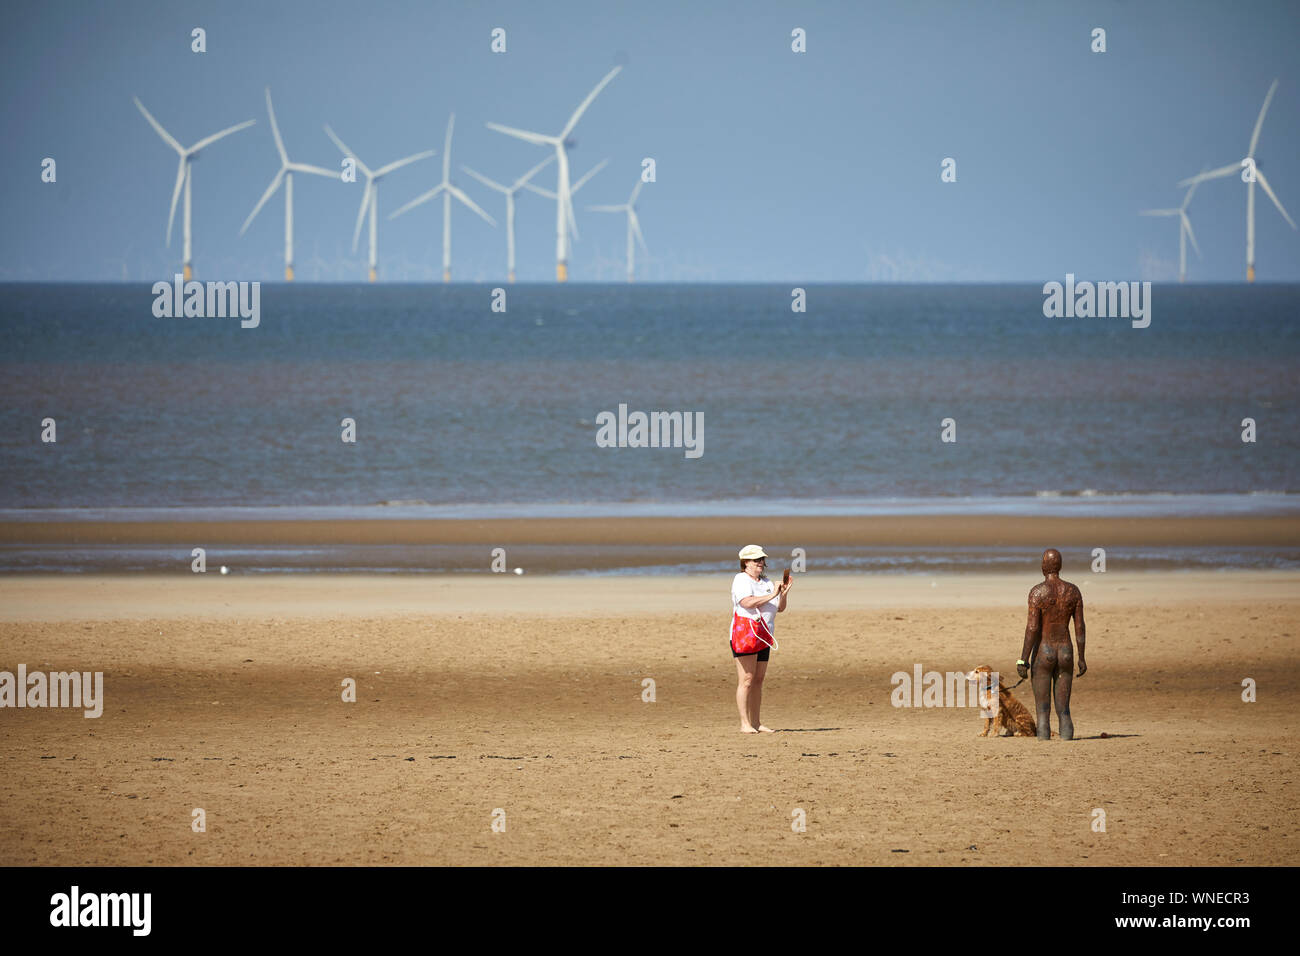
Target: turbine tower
(561, 143)
(1184, 230)
(183, 179)
(510, 207)
(287, 169)
(633, 226)
(448, 190)
(573, 191)
(370, 196)
(1258, 174)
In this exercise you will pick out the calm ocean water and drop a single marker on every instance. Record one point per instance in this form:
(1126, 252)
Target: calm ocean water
(460, 410)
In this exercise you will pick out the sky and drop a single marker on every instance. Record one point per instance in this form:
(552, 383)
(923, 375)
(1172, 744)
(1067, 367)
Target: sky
(770, 165)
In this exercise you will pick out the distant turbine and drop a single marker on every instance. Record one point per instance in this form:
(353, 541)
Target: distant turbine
(573, 191)
(183, 176)
(287, 169)
(1250, 188)
(448, 190)
(370, 196)
(633, 226)
(510, 207)
(1184, 230)
(563, 206)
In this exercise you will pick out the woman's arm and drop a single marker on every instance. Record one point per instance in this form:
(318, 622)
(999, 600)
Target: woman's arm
(758, 600)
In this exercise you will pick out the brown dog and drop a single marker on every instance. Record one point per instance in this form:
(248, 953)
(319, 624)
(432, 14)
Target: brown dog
(1012, 716)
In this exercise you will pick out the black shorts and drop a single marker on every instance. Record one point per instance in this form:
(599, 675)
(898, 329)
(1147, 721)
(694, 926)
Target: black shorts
(763, 655)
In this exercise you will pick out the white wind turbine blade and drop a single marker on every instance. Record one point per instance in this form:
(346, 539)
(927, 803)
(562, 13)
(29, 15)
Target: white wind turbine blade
(1190, 193)
(523, 180)
(537, 138)
(366, 198)
(1259, 123)
(418, 200)
(1269, 189)
(166, 136)
(275, 129)
(315, 170)
(491, 184)
(385, 170)
(636, 227)
(582, 107)
(540, 190)
(636, 191)
(607, 208)
(176, 195)
(270, 190)
(347, 152)
(459, 194)
(446, 149)
(216, 136)
(573, 221)
(1213, 174)
(1160, 212)
(1187, 224)
(591, 172)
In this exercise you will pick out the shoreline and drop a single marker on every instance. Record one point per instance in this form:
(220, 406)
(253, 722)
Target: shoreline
(722, 532)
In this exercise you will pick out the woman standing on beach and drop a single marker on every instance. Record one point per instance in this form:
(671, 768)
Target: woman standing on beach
(755, 602)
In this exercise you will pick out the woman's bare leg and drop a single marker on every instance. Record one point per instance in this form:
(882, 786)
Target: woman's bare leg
(745, 667)
(756, 697)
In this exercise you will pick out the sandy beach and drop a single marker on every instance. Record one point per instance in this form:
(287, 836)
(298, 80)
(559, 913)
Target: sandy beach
(525, 695)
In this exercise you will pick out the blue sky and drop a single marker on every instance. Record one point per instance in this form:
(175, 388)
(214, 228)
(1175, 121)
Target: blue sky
(771, 165)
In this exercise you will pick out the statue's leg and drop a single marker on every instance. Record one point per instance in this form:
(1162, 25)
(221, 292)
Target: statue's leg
(1063, 682)
(1044, 666)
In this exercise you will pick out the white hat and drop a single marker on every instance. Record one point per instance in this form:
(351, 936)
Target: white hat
(751, 551)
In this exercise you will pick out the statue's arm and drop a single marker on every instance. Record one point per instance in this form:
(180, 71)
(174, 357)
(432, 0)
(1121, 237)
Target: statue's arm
(1080, 632)
(1033, 630)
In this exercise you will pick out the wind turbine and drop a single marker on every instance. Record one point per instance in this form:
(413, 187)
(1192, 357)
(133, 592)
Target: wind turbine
(1184, 229)
(1254, 173)
(287, 169)
(561, 142)
(573, 191)
(510, 207)
(633, 226)
(183, 178)
(370, 196)
(448, 190)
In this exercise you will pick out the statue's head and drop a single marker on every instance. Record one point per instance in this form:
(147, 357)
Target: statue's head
(1051, 561)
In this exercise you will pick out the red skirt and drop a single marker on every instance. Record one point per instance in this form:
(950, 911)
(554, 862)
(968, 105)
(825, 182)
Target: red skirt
(749, 636)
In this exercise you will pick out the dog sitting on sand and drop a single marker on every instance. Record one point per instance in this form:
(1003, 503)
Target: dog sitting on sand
(1012, 716)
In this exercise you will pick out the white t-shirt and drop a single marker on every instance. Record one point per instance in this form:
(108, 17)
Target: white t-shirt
(743, 586)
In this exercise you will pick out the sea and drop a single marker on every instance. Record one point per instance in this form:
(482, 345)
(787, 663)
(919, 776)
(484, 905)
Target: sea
(475, 401)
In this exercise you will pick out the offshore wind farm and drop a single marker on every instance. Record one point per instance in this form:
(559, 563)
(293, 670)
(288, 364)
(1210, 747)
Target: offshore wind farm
(534, 109)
